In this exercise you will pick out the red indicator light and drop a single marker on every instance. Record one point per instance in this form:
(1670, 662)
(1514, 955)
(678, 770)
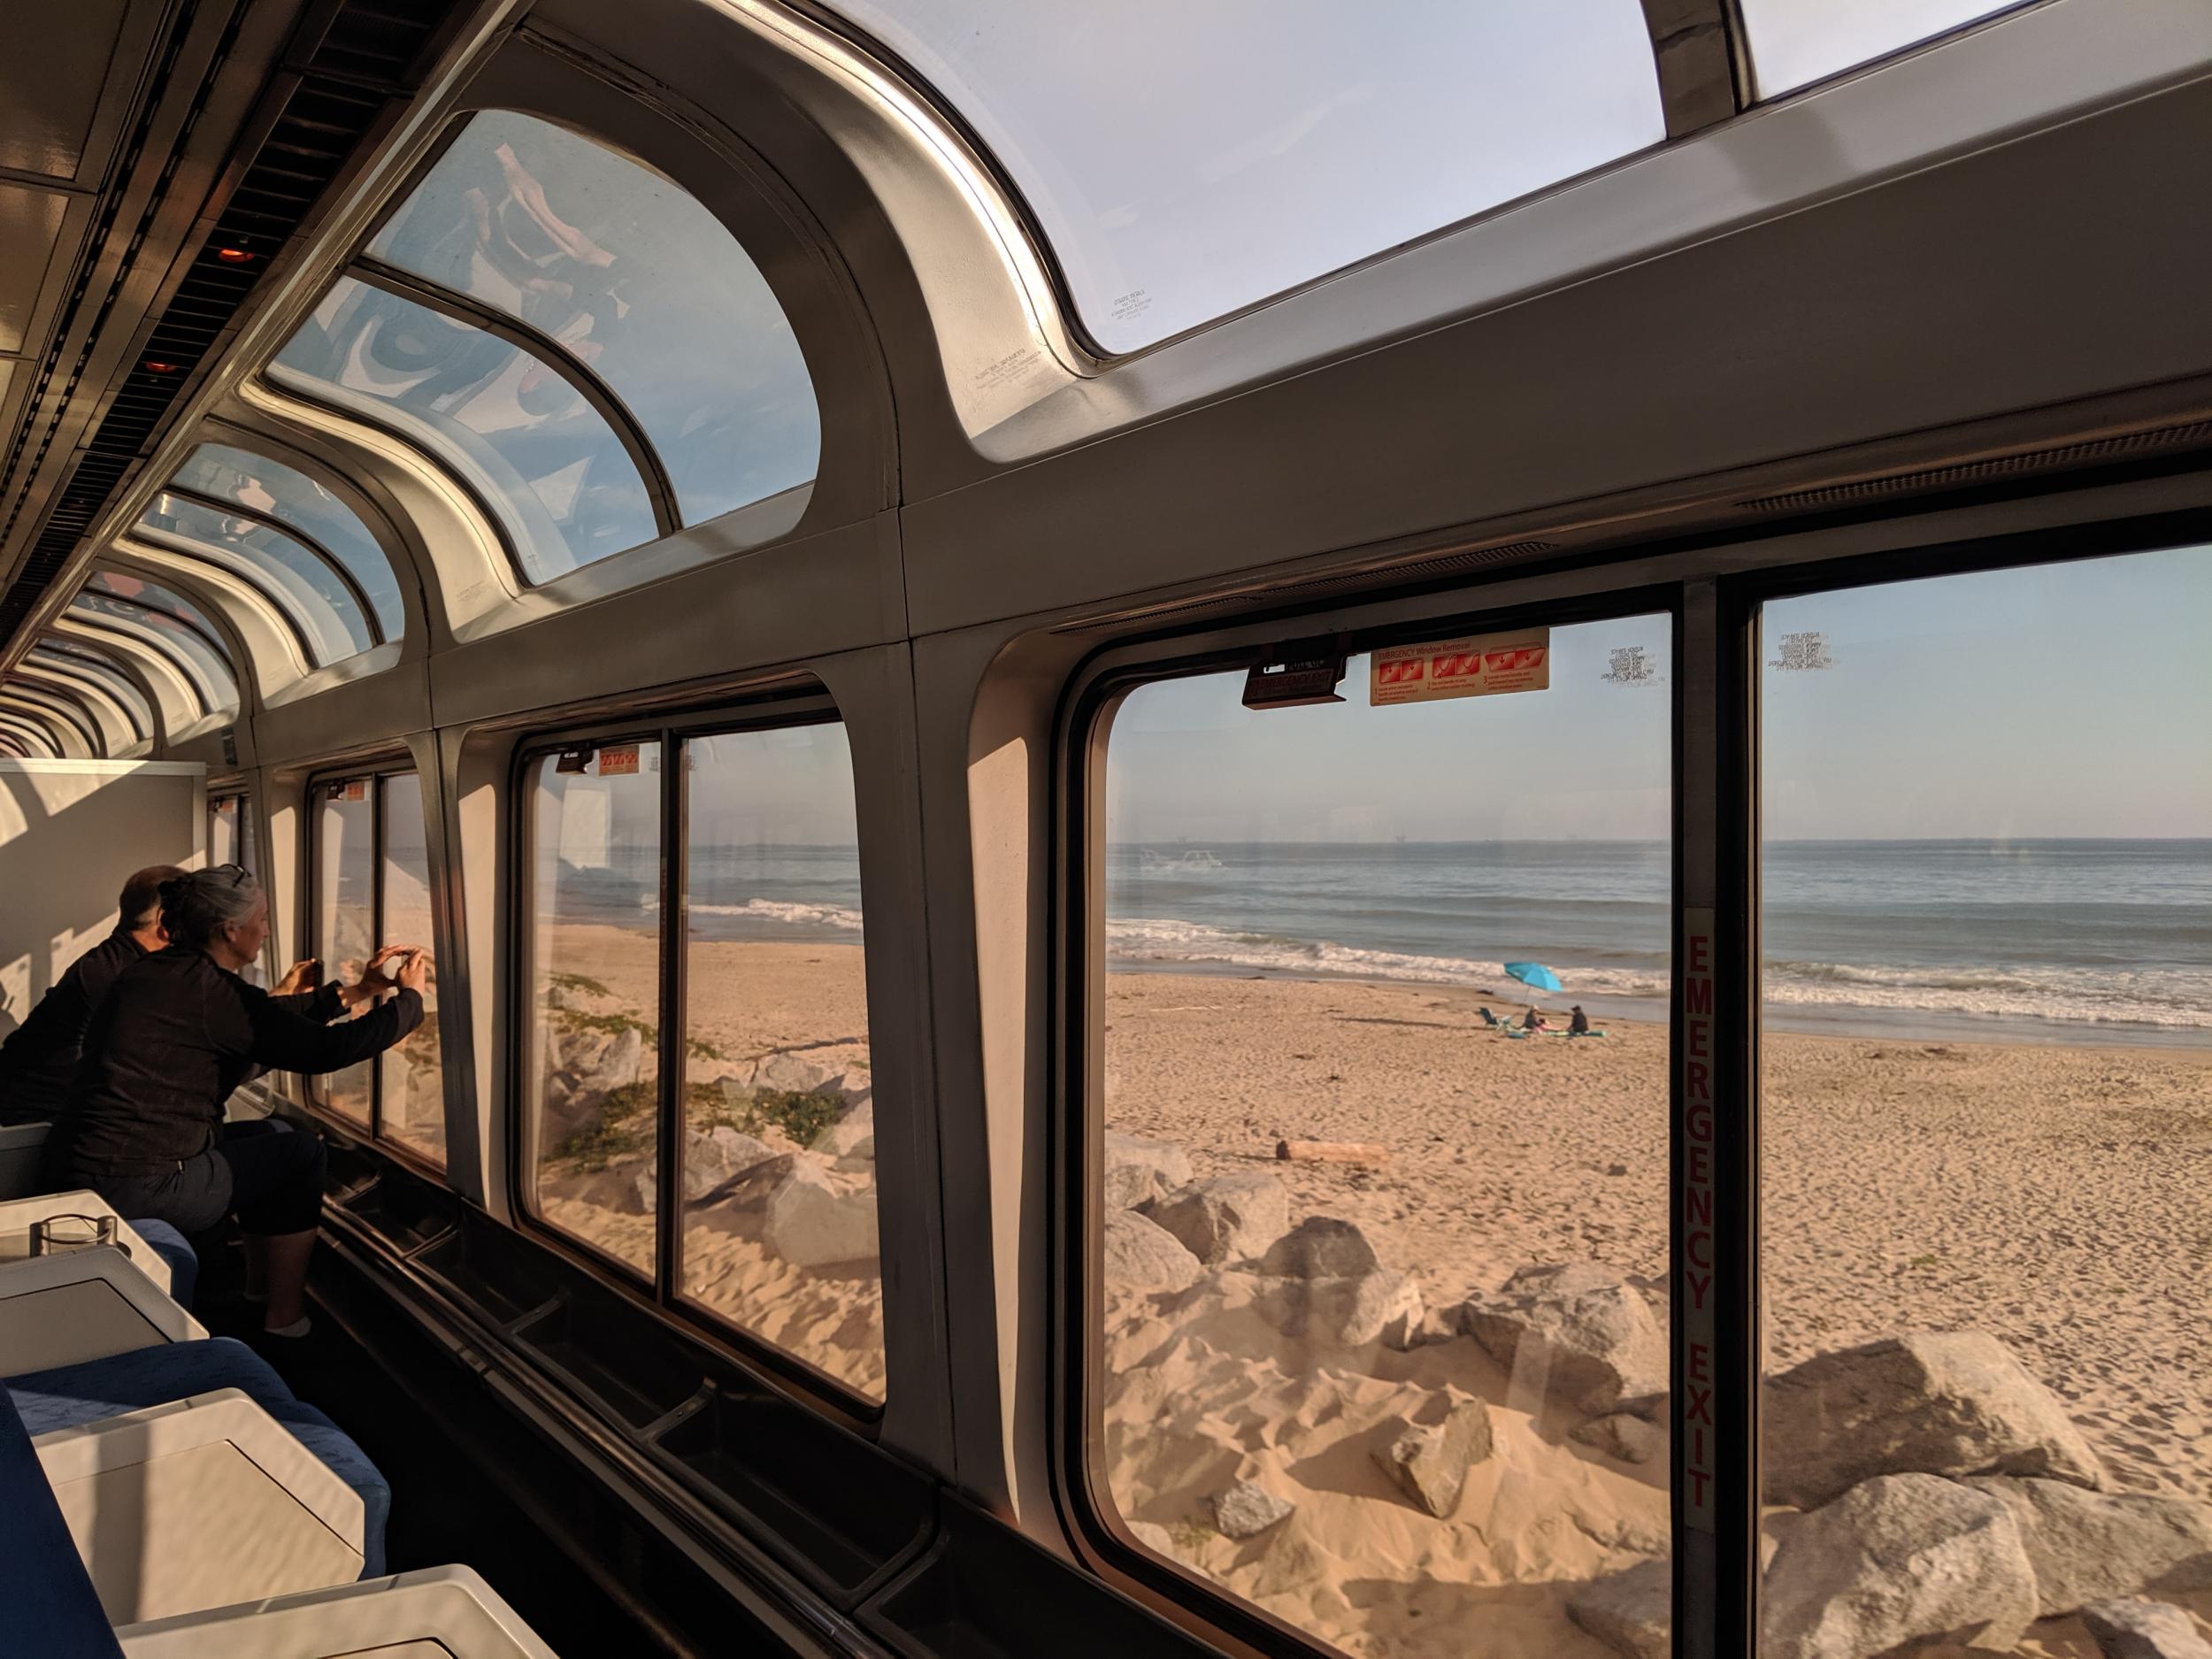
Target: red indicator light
(155, 367)
(233, 256)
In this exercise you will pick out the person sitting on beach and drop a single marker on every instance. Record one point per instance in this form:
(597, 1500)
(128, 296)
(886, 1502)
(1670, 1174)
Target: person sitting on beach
(1534, 1020)
(40, 1056)
(143, 1126)
(1578, 1023)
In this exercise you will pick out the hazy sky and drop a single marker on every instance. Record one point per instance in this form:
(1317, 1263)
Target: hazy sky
(2064, 700)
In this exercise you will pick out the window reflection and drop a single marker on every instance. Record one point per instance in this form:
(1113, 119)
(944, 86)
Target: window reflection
(1795, 42)
(272, 489)
(596, 996)
(159, 619)
(411, 1082)
(345, 917)
(635, 279)
(560, 481)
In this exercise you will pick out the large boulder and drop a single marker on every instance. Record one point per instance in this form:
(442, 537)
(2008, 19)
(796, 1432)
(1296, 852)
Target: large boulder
(1138, 1170)
(1900, 1559)
(624, 1188)
(598, 1062)
(1227, 1219)
(1631, 1612)
(1429, 1462)
(1343, 1312)
(817, 1218)
(1935, 1404)
(2136, 1629)
(789, 1073)
(1579, 1331)
(714, 1157)
(1142, 1256)
(2096, 1546)
(1322, 1246)
(1621, 1436)
(1248, 1508)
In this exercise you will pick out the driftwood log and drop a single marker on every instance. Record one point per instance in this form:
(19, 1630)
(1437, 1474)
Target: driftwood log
(1332, 1152)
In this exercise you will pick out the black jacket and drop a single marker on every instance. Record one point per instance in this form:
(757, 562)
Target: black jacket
(39, 1059)
(174, 1037)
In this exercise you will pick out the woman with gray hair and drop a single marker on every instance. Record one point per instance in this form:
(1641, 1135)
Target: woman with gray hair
(178, 1032)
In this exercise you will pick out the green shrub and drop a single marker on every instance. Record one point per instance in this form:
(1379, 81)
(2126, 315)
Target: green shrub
(577, 982)
(623, 1125)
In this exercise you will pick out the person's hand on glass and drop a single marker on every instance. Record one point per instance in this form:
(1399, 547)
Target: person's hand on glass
(378, 975)
(414, 973)
(300, 976)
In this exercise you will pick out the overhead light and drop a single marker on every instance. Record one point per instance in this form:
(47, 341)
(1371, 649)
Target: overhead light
(154, 366)
(233, 256)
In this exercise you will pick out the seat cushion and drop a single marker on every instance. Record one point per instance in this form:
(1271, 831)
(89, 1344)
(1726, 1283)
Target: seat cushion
(172, 1248)
(69, 1395)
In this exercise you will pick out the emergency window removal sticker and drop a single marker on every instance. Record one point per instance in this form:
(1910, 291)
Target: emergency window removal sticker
(1480, 665)
(619, 760)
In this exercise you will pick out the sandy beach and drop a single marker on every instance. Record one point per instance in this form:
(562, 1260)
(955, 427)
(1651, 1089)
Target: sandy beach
(2052, 1197)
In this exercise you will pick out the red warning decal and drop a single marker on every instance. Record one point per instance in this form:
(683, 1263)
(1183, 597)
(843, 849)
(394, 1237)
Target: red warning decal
(1484, 665)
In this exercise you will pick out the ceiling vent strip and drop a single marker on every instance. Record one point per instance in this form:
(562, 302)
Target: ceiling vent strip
(2127, 446)
(368, 57)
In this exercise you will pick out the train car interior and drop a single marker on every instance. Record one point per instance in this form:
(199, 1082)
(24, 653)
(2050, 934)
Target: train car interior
(1028, 830)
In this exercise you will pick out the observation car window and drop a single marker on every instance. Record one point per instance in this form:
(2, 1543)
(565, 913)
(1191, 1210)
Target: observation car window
(309, 593)
(595, 1008)
(176, 628)
(553, 472)
(274, 490)
(1176, 186)
(371, 888)
(59, 710)
(345, 921)
(85, 690)
(1795, 42)
(410, 1075)
(1986, 1059)
(1344, 1197)
(82, 664)
(775, 1031)
(637, 280)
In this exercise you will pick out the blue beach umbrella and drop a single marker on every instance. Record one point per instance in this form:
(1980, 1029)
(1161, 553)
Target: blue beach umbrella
(1533, 973)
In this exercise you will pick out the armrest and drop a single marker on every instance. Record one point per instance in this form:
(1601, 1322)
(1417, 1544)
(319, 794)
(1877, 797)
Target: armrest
(449, 1606)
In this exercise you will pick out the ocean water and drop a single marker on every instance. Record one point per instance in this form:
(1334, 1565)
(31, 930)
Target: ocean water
(2040, 939)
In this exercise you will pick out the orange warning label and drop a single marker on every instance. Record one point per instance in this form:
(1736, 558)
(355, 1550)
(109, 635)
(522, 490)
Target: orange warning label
(1484, 665)
(619, 760)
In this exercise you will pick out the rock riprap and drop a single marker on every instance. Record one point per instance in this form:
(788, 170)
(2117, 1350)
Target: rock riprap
(1342, 1312)
(1579, 1332)
(2138, 1629)
(1322, 1246)
(818, 1217)
(1229, 1219)
(1140, 1255)
(1899, 1559)
(1429, 1462)
(1248, 1508)
(1138, 1170)
(2098, 1545)
(1955, 1404)
(1631, 1612)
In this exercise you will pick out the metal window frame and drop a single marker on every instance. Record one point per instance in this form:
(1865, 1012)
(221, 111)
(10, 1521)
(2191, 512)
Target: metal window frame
(185, 670)
(1716, 607)
(23, 725)
(62, 707)
(255, 582)
(661, 1290)
(1076, 958)
(1747, 61)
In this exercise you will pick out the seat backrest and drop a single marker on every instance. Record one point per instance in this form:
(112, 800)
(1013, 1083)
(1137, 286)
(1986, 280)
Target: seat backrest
(20, 1146)
(51, 1605)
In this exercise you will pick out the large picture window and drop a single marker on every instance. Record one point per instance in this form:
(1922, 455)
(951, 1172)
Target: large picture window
(760, 1086)
(1985, 1064)
(371, 888)
(1379, 1179)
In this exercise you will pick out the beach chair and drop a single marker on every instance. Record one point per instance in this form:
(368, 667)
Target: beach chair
(1489, 1019)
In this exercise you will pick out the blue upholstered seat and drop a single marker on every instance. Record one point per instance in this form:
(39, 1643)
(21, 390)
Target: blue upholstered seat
(69, 1395)
(174, 1248)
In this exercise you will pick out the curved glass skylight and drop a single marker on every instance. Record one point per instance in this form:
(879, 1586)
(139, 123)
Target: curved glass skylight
(1184, 161)
(638, 281)
(312, 594)
(32, 736)
(173, 626)
(1795, 42)
(113, 723)
(564, 487)
(274, 491)
(58, 712)
(118, 686)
